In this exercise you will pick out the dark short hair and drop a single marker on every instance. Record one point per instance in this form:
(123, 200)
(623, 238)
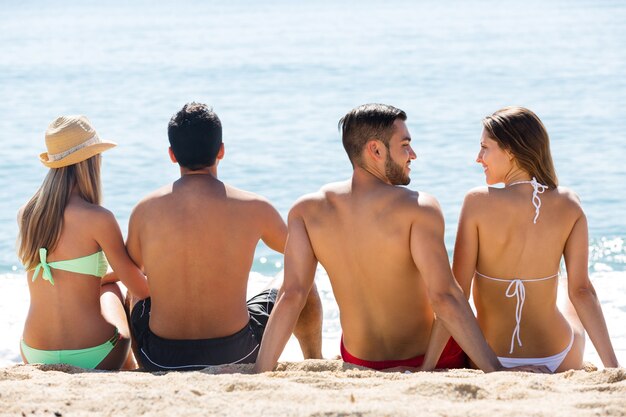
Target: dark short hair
(366, 122)
(195, 135)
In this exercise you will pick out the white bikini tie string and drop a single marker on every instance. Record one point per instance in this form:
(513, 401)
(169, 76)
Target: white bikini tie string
(519, 292)
(537, 189)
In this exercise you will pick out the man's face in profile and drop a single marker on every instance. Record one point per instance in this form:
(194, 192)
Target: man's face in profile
(399, 155)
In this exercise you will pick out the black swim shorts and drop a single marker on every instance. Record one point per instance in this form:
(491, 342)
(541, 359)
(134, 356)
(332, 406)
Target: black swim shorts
(158, 354)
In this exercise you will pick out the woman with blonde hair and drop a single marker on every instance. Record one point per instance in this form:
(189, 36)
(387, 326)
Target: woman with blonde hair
(510, 242)
(75, 317)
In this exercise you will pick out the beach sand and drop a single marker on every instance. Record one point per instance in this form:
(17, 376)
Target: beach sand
(309, 388)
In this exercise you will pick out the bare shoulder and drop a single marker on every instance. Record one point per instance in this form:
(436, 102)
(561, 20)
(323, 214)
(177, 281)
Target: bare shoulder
(417, 207)
(311, 202)
(244, 195)
(415, 200)
(479, 192)
(567, 194)
(478, 196)
(156, 195)
(250, 200)
(569, 199)
(151, 199)
(92, 216)
(428, 207)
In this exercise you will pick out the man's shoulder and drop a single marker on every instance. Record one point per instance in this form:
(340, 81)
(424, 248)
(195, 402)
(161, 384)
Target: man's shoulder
(249, 202)
(244, 196)
(417, 201)
(157, 194)
(325, 194)
(152, 199)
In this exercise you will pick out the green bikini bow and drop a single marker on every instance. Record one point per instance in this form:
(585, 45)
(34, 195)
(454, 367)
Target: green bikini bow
(47, 274)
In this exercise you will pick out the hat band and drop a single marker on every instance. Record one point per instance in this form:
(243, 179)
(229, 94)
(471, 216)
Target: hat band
(58, 156)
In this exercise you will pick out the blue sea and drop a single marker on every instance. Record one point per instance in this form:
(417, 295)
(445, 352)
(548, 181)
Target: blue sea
(280, 74)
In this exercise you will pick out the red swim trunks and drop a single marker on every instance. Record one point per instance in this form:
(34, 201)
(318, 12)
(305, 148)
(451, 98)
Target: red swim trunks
(451, 357)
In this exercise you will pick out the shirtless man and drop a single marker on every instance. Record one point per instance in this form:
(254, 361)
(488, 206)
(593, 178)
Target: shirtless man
(382, 246)
(195, 240)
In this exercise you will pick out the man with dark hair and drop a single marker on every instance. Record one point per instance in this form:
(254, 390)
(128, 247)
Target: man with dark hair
(195, 240)
(382, 246)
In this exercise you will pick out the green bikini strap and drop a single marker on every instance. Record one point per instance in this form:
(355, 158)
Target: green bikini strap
(43, 264)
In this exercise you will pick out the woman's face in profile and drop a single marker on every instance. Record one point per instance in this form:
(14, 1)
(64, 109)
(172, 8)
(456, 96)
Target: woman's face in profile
(496, 161)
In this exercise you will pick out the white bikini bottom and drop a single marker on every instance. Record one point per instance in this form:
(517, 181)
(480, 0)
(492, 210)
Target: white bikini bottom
(551, 362)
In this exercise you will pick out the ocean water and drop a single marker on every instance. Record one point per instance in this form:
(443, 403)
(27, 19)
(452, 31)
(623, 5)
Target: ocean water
(281, 74)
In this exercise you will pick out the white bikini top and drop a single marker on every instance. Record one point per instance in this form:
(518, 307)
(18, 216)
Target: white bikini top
(516, 286)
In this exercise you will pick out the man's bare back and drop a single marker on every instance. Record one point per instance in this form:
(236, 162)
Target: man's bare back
(383, 249)
(361, 238)
(196, 240)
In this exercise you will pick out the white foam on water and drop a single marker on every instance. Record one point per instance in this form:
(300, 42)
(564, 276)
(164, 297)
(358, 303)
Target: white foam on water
(14, 302)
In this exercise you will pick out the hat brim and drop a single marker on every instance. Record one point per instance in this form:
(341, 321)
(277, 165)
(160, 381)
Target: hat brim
(77, 156)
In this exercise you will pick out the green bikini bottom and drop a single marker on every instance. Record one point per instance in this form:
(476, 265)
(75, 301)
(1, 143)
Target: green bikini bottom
(85, 358)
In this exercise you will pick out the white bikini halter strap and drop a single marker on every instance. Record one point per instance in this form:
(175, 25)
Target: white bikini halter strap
(538, 189)
(516, 289)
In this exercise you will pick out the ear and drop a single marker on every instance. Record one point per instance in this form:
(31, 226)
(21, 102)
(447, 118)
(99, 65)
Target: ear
(171, 153)
(220, 153)
(510, 155)
(374, 148)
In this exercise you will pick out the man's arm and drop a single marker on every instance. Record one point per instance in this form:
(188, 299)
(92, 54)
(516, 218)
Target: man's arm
(447, 298)
(133, 244)
(463, 267)
(300, 264)
(274, 228)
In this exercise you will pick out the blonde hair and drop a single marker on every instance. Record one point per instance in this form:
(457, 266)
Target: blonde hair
(42, 218)
(520, 131)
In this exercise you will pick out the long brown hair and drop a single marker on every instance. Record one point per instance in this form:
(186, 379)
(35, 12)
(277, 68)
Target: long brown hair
(42, 218)
(520, 131)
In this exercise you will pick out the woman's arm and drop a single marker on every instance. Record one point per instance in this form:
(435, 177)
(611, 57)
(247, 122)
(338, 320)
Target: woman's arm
(583, 295)
(109, 237)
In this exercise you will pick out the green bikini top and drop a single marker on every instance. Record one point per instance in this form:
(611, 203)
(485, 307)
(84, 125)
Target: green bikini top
(94, 264)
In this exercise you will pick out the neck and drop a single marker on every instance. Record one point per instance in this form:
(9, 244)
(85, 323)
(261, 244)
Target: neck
(368, 175)
(186, 172)
(516, 175)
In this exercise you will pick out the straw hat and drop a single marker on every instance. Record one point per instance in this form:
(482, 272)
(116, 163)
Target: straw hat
(71, 139)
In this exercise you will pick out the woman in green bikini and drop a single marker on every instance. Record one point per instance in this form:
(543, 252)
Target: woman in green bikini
(75, 316)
